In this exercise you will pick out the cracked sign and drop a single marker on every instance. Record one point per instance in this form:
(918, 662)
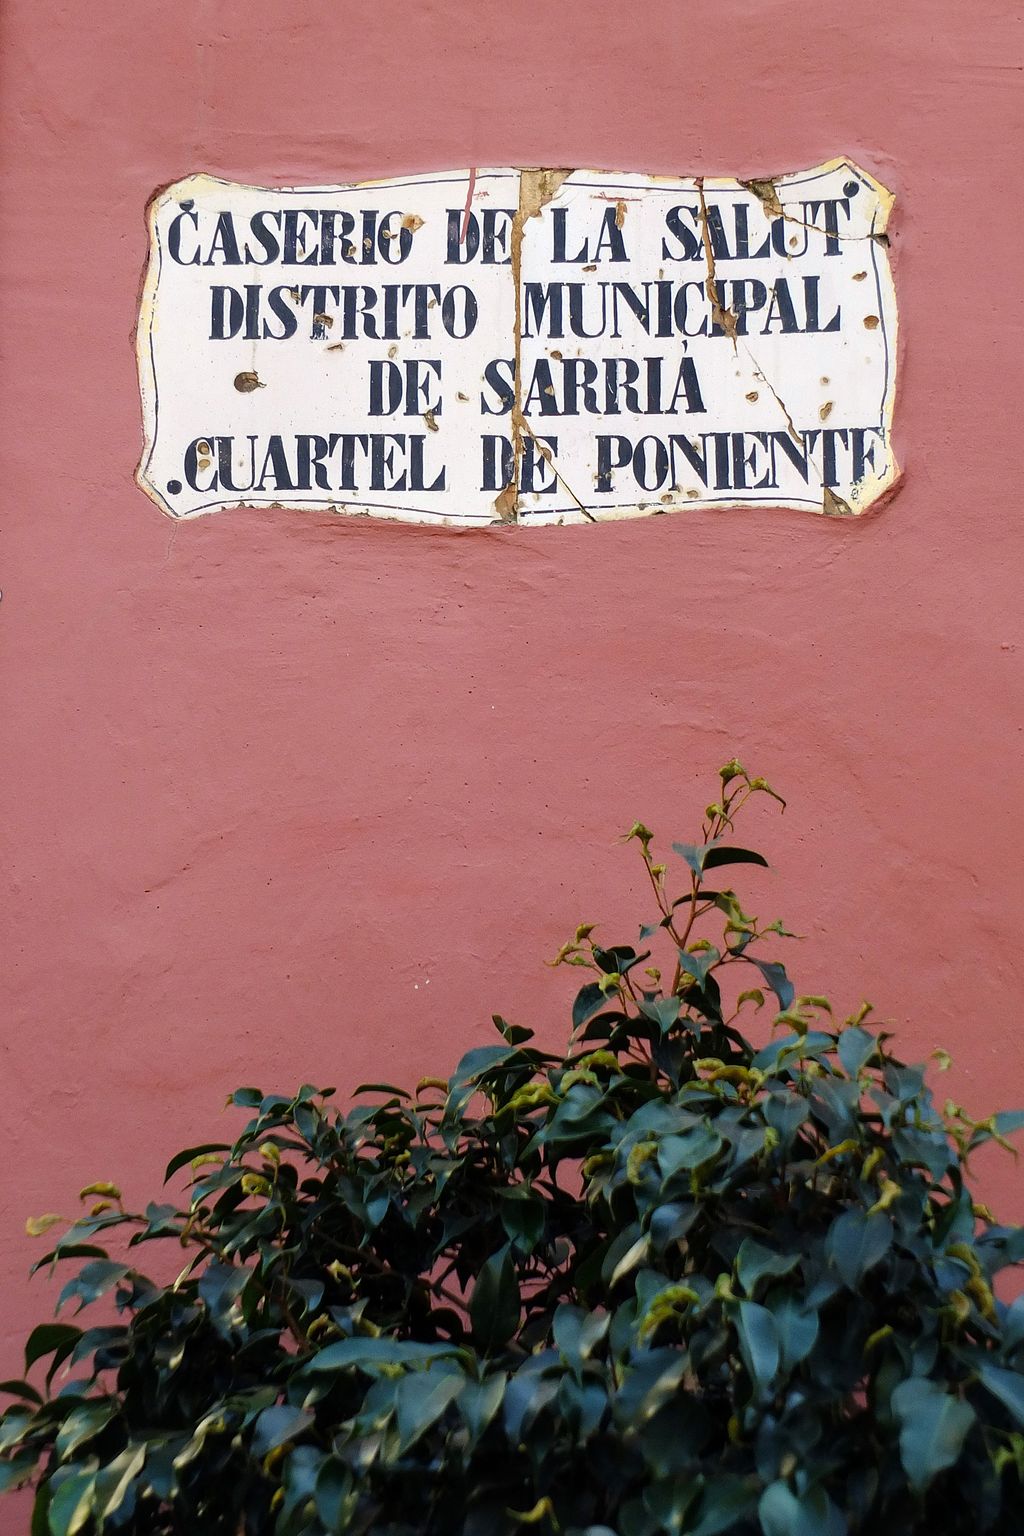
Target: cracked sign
(549, 346)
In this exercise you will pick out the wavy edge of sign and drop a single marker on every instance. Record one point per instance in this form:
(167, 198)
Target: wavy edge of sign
(534, 195)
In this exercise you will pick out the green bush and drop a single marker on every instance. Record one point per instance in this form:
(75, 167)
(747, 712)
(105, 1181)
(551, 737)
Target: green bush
(671, 1281)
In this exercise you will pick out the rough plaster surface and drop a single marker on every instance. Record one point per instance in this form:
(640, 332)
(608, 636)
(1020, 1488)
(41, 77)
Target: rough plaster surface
(289, 797)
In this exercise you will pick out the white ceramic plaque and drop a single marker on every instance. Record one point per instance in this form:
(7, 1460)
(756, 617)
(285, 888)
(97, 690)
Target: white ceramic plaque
(520, 346)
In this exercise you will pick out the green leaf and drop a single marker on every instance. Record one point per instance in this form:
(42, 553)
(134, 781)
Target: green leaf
(716, 857)
(1013, 1323)
(522, 1216)
(220, 1288)
(16, 1422)
(796, 1326)
(663, 1011)
(277, 1425)
(48, 1337)
(181, 1158)
(933, 1427)
(779, 1512)
(589, 1000)
(774, 974)
(670, 1222)
(759, 1343)
(121, 1472)
(474, 1064)
(41, 1510)
(82, 1424)
(694, 854)
(93, 1281)
(628, 1249)
(298, 1477)
(698, 964)
(527, 1393)
(68, 1251)
(577, 1333)
(776, 1055)
(1007, 1386)
(618, 959)
(366, 1353)
(856, 1243)
(479, 1401)
(332, 1492)
(651, 1380)
(813, 1514)
(71, 1504)
(754, 1262)
(247, 1098)
(21, 1389)
(515, 1034)
(669, 1500)
(494, 1306)
(785, 1113)
(421, 1399)
(274, 1104)
(691, 1150)
(727, 1501)
(855, 1047)
(17, 1470)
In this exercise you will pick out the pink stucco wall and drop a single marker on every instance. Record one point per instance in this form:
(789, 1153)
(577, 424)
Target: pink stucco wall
(289, 797)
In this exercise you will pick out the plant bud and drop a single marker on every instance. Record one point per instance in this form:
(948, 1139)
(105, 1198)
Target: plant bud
(890, 1194)
(542, 1510)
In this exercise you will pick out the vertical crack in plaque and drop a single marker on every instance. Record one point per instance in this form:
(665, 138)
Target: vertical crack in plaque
(536, 188)
(722, 317)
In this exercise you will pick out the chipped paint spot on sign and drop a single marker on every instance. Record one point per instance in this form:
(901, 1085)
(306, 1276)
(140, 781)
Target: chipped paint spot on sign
(546, 346)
